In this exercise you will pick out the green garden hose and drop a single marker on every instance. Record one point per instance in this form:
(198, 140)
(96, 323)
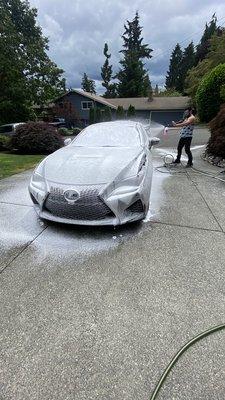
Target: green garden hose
(180, 352)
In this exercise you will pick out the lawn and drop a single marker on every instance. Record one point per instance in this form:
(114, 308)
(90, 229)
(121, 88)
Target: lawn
(11, 164)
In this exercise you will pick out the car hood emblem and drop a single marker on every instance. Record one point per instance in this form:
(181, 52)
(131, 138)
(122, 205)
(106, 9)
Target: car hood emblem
(71, 196)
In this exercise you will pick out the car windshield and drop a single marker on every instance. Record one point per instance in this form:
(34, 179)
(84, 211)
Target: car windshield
(108, 136)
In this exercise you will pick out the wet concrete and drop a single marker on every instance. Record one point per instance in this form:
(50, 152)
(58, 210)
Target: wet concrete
(93, 313)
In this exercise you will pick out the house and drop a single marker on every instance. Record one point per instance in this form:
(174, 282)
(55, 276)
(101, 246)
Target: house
(75, 106)
(160, 109)
(77, 103)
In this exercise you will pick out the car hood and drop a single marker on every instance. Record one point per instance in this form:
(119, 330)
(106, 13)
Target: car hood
(88, 166)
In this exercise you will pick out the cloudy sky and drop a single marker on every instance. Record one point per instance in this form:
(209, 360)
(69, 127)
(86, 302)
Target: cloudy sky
(78, 29)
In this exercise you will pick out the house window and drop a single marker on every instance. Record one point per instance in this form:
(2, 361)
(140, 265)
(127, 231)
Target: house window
(86, 105)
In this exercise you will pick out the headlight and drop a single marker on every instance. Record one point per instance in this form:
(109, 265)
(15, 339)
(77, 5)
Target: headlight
(130, 179)
(38, 181)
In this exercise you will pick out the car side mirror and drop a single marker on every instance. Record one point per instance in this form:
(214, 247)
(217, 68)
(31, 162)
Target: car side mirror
(67, 142)
(153, 142)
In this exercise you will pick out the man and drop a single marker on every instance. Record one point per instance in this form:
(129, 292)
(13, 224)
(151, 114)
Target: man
(186, 134)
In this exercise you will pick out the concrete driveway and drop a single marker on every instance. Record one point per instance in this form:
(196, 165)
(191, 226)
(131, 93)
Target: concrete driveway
(92, 313)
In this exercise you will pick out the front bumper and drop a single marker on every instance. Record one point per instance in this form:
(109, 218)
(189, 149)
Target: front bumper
(91, 209)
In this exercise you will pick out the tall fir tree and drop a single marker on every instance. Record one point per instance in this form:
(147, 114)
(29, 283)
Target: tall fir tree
(187, 62)
(156, 90)
(132, 75)
(106, 73)
(202, 48)
(88, 85)
(174, 75)
(147, 86)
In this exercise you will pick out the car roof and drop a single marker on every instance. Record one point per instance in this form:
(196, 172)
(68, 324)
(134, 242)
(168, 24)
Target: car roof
(13, 123)
(118, 122)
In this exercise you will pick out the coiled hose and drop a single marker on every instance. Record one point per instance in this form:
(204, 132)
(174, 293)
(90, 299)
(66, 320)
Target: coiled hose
(178, 355)
(168, 168)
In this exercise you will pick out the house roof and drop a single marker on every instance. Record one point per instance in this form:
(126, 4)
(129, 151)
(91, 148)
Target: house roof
(90, 96)
(158, 103)
(140, 103)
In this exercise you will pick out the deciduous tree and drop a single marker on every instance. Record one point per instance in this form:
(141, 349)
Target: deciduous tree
(215, 56)
(27, 75)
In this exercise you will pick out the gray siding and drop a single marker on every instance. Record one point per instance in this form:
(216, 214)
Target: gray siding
(76, 100)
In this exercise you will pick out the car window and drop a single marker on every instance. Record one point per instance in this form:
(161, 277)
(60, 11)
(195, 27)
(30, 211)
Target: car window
(108, 136)
(6, 128)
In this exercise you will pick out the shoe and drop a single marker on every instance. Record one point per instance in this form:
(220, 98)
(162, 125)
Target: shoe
(176, 161)
(189, 165)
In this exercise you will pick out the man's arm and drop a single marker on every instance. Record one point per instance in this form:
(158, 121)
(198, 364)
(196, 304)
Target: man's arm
(186, 122)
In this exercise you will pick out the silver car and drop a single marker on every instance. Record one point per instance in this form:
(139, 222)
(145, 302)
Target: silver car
(9, 129)
(103, 177)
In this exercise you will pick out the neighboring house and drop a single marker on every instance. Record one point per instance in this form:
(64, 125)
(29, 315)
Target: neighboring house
(80, 103)
(163, 110)
(75, 107)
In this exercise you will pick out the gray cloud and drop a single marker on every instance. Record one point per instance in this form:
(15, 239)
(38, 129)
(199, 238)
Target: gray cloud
(77, 31)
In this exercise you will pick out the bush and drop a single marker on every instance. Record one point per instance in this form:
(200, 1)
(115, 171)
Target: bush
(107, 114)
(5, 142)
(92, 115)
(76, 131)
(63, 131)
(120, 112)
(36, 138)
(216, 144)
(209, 96)
(131, 111)
(98, 115)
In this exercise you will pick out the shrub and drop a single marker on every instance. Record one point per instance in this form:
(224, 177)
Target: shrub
(120, 112)
(107, 114)
(131, 111)
(92, 115)
(63, 131)
(76, 131)
(209, 96)
(36, 138)
(5, 142)
(98, 115)
(216, 144)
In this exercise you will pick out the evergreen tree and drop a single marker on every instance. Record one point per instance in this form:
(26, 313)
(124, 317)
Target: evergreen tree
(27, 75)
(88, 85)
(147, 85)
(203, 47)
(92, 115)
(131, 111)
(188, 62)
(132, 75)
(156, 90)
(106, 73)
(174, 75)
(120, 112)
(107, 114)
(150, 93)
(98, 115)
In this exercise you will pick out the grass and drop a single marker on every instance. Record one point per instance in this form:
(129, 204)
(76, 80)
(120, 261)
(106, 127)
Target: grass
(11, 164)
